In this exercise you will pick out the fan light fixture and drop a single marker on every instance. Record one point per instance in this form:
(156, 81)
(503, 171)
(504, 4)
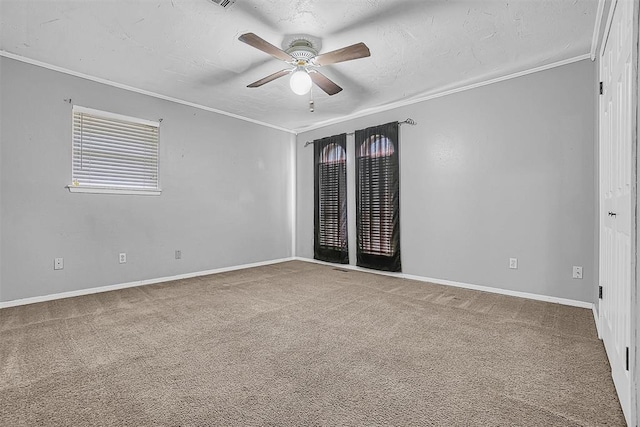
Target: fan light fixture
(300, 82)
(301, 55)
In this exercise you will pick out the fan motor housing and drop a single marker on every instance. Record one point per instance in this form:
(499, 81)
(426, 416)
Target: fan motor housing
(302, 50)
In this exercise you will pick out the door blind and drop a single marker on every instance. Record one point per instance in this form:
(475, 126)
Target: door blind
(333, 205)
(112, 151)
(378, 198)
(376, 205)
(330, 234)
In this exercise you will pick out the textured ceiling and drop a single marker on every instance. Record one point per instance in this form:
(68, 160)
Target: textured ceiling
(189, 49)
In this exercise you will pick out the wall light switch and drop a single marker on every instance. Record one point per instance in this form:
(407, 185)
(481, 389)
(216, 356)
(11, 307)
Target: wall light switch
(58, 263)
(577, 272)
(513, 262)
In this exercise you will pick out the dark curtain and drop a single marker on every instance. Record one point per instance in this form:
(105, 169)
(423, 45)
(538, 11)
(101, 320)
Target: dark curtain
(378, 197)
(330, 194)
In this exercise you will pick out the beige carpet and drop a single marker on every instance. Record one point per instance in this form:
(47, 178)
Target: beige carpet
(299, 344)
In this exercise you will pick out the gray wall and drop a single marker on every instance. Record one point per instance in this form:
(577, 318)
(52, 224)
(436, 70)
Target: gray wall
(225, 201)
(504, 170)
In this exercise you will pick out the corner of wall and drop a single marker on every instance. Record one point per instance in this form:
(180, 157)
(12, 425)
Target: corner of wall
(293, 139)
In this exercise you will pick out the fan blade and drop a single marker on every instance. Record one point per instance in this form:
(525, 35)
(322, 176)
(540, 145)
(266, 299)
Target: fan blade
(358, 50)
(356, 87)
(263, 45)
(270, 78)
(324, 83)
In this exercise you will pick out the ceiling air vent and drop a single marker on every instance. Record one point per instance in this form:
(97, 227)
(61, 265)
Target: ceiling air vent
(224, 3)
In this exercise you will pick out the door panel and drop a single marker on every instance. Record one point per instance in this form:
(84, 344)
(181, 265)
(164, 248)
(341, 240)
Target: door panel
(616, 215)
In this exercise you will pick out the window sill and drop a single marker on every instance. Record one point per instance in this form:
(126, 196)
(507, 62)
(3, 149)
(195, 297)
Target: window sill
(98, 190)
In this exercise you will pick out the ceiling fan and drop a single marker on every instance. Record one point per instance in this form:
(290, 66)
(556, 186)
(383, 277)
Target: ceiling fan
(302, 56)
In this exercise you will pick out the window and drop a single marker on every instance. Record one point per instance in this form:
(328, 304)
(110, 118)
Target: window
(113, 153)
(330, 242)
(378, 198)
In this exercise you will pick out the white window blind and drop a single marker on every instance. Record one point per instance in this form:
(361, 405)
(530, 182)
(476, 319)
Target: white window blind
(114, 152)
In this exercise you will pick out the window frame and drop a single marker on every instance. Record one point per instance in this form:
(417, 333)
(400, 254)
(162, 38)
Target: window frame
(75, 188)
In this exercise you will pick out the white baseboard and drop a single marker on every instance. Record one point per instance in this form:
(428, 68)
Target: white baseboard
(596, 319)
(89, 291)
(537, 297)
(32, 300)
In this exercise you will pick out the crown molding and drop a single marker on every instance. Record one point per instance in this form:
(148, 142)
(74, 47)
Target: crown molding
(319, 125)
(52, 67)
(435, 95)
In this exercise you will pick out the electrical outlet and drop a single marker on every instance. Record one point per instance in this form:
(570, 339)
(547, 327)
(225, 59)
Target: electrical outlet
(123, 258)
(513, 263)
(577, 272)
(178, 254)
(58, 263)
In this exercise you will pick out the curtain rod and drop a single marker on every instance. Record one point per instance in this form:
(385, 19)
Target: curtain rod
(404, 122)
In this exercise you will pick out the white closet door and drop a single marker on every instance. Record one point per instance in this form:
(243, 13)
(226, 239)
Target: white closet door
(616, 215)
